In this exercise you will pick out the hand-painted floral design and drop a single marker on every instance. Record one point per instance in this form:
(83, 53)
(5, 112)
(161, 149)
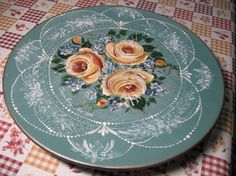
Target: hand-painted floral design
(126, 52)
(127, 84)
(86, 64)
(16, 144)
(117, 70)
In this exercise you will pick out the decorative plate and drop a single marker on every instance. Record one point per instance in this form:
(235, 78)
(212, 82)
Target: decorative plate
(113, 87)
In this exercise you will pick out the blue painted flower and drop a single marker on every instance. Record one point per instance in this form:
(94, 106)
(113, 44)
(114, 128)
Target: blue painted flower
(155, 89)
(116, 103)
(109, 67)
(104, 38)
(67, 50)
(148, 65)
(160, 72)
(91, 94)
(99, 48)
(124, 104)
(75, 84)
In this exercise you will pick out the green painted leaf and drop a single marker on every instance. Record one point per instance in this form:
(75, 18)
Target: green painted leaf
(145, 36)
(136, 37)
(148, 48)
(104, 96)
(82, 39)
(156, 54)
(56, 60)
(138, 104)
(123, 32)
(65, 78)
(149, 40)
(161, 78)
(155, 77)
(131, 37)
(139, 37)
(175, 67)
(86, 44)
(75, 92)
(152, 100)
(112, 32)
(59, 68)
(118, 36)
(148, 103)
(85, 86)
(127, 109)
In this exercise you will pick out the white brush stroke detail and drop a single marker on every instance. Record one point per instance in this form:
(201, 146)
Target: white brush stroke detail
(140, 132)
(204, 76)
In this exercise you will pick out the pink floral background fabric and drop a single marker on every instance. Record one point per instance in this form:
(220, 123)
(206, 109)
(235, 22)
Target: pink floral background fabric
(211, 20)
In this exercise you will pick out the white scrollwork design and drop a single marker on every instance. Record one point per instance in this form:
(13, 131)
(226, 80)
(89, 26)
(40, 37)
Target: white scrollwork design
(95, 140)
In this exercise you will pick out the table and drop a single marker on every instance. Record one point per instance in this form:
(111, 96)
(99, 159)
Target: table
(211, 20)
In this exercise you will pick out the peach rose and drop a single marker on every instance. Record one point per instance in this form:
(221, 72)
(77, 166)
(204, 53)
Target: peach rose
(126, 52)
(86, 64)
(128, 84)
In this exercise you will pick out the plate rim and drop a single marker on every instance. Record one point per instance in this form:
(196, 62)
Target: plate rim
(104, 167)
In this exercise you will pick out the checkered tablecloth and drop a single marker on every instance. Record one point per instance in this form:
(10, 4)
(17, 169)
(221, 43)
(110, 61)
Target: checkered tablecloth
(211, 20)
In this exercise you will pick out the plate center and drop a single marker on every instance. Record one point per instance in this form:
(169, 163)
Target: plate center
(114, 75)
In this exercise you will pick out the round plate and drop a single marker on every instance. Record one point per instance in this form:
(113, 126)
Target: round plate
(113, 87)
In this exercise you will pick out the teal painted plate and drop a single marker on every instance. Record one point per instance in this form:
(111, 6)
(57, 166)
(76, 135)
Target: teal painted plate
(113, 87)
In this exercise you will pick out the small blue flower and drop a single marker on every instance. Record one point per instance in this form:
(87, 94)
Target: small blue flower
(114, 102)
(91, 94)
(67, 50)
(148, 65)
(99, 47)
(155, 89)
(75, 84)
(109, 67)
(104, 38)
(160, 72)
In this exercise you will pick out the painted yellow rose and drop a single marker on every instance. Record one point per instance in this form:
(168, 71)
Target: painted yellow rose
(126, 52)
(128, 84)
(86, 65)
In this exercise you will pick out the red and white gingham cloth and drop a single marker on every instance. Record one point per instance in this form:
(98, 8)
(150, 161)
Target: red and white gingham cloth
(221, 23)
(8, 40)
(25, 3)
(4, 127)
(9, 166)
(203, 9)
(212, 165)
(86, 3)
(33, 15)
(183, 14)
(146, 5)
